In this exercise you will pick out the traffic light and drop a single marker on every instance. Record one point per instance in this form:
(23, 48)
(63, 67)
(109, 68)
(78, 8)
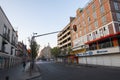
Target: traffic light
(75, 28)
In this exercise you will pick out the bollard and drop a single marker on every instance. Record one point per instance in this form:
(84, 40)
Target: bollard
(7, 78)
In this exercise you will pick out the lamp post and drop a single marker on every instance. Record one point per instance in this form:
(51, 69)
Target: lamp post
(32, 54)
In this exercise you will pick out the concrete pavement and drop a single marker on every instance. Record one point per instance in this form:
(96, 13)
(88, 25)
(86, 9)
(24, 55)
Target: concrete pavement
(18, 73)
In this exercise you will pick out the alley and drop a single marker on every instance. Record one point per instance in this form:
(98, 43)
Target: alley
(57, 71)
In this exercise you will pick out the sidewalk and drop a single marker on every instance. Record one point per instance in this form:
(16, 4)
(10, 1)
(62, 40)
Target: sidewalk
(89, 65)
(18, 73)
(35, 73)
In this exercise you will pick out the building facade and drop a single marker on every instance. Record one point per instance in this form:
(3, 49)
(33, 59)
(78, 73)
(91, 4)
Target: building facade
(97, 38)
(64, 38)
(64, 42)
(8, 42)
(22, 51)
(46, 53)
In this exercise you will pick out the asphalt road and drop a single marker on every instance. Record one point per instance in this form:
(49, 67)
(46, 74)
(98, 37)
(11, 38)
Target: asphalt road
(55, 71)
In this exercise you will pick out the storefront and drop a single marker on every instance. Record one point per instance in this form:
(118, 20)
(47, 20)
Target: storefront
(74, 58)
(7, 61)
(105, 57)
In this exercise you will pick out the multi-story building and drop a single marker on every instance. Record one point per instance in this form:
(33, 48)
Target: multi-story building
(64, 37)
(64, 42)
(97, 30)
(8, 42)
(22, 50)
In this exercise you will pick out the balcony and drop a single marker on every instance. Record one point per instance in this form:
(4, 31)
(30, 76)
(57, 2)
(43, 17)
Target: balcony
(6, 36)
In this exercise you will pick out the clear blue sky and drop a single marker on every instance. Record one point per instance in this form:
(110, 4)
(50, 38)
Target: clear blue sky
(40, 16)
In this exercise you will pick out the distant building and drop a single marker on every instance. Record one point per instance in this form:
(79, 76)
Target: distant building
(8, 42)
(22, 50)
(46, 53)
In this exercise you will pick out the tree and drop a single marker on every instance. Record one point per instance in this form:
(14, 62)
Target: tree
(69, 50)
(55, 51)
(34, 47)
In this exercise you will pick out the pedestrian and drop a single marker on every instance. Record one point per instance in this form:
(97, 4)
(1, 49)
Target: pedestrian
(24, 64)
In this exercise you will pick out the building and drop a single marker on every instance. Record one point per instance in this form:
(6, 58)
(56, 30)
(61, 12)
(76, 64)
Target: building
(8, 42)
(22, 50)
(46, 53)
(97, 36)
(64, 42)
(64, 37)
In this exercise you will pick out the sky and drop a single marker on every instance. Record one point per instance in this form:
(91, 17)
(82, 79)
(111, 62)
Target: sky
(40, 16)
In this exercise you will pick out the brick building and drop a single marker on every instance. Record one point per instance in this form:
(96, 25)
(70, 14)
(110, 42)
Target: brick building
(97, 38)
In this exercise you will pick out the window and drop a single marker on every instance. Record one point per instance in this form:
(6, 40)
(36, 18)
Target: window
(96, 24)
(8, 35)
(89, 19)
(83, 16)
(105, 43)
(77, 35)
(102, 10)
(118, 16)
(101, 32)
(11, 51)
(116, 6)
(101, 1)
(80, 33)
(90, 36)
(85, 31)
(104, 29)
(93, 7)
(84, 23)
(96, 32)
(94, 37)
(103, 20)
(88, 12)
(13, 38)
(94, 15)
(93, 46)
(3, 46)
(4, 30)
(90, 29)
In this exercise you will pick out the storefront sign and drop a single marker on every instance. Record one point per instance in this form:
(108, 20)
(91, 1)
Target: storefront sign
(89, 53)
(102, 51)
(85, 53)
(80, 54)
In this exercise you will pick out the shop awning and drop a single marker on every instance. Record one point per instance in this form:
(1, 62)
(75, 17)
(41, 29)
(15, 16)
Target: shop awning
(78, 51)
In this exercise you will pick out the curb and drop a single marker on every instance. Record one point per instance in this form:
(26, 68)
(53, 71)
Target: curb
(36, 75)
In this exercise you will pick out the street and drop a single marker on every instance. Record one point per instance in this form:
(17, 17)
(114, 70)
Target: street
(60, 71)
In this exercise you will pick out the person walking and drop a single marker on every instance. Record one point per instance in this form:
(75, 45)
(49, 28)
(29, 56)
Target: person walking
(24, 64)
